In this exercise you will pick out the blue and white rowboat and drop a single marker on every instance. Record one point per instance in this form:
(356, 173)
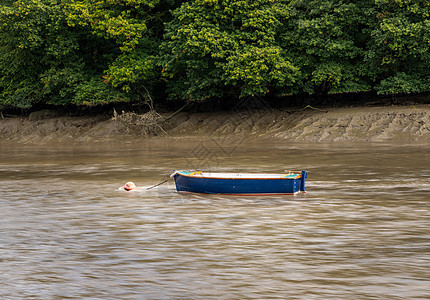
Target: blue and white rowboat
(240, 183)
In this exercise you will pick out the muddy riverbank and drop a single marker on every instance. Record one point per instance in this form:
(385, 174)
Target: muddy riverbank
(355, 124)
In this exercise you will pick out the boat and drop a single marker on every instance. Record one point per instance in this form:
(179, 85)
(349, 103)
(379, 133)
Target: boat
(289, 183)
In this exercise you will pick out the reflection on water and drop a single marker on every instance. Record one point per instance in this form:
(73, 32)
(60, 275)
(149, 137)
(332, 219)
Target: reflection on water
(68, 231)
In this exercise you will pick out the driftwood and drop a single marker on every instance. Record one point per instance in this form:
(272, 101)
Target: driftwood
(149, 123)
(306, 107)
(176, 112)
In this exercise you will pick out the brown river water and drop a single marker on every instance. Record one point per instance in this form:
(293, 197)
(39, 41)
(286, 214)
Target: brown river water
(67, 230)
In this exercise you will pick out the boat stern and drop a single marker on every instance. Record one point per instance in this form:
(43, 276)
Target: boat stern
(302, 181)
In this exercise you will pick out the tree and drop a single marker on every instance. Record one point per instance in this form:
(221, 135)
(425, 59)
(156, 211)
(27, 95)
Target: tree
(326, 39)
(399, 49)
(23, 34)
(127, 24)
(82, 52)
(90, 52)
(225, 48)
(43, 60)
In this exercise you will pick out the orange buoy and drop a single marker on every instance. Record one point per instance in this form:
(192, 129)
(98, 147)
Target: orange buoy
(129, 186)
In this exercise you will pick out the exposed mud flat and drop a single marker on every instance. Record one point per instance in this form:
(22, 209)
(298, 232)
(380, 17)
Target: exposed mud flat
(356, 124)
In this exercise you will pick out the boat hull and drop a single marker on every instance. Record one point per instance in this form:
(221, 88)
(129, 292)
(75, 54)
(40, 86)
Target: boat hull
(239, 186)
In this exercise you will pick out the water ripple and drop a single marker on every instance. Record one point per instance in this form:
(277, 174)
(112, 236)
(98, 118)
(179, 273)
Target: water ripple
(68, 231)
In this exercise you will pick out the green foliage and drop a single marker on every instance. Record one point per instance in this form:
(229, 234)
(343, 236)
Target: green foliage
(23, 94)
(400, 44)
(257, 70)
(404, 83)
(220, 48)
(91, 52)
(52, 52)
(125, 23)
(131, 69)
(95, 91)
(60, 83)
(41, 59)
(324, 39)
(30, 38)
(112, 19)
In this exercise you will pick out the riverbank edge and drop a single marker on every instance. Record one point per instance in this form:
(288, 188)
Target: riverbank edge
(404, 124)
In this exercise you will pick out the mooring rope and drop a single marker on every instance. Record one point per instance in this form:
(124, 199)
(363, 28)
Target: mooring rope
(162, 182)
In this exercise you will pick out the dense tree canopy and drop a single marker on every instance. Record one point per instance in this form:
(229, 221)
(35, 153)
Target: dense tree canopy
(90, 52)
(220, 48)
(325, 39)
(400, 46)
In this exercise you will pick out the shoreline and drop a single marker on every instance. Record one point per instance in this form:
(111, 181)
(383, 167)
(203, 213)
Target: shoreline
(404, 124)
